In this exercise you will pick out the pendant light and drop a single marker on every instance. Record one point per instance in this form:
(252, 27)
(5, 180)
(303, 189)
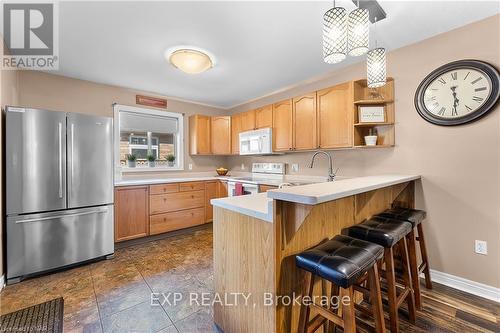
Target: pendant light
(358, 31)
(335, 35)
(376, 71)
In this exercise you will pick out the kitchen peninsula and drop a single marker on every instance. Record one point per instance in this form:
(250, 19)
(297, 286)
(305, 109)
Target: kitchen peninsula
(257, 236)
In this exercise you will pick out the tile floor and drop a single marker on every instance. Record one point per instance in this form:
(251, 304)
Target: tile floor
(116, 295)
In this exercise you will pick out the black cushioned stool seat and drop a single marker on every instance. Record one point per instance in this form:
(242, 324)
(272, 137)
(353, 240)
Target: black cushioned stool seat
(341, 260)
(414, 216)
(382, 231)
(348, 263)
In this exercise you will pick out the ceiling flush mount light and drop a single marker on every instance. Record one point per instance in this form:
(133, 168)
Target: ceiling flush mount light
(190, 60)
(359, 32)
(334, 35)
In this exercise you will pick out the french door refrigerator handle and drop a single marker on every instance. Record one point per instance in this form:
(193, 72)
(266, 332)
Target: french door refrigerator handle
(60, 161)
(72, 153)
(97, 211)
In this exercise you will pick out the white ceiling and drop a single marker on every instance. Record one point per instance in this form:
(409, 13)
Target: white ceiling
(260, 47)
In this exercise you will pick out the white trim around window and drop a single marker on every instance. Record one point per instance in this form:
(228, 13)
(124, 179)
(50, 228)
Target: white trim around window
(179, 138)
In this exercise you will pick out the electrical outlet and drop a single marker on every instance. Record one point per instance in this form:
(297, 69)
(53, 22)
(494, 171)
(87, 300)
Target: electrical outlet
(481, 247)
(295, 167)
(190, 166)
(242, 166)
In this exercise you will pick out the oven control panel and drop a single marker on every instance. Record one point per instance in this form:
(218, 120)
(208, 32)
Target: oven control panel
(272, 168)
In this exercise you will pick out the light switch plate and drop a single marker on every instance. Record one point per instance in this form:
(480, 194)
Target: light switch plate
(295, 167)
(242, 166)
(190, 166)
(481, 247)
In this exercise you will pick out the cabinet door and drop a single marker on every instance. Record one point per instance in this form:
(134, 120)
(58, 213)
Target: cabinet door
(335, 116)
(210, 193)
(305, 122)
(248, 121)
(221, 189)
(199, 135)
(282, 125)
(235, 133)
(221, 135)
(265, 188)
(264, 117)
(131, 212)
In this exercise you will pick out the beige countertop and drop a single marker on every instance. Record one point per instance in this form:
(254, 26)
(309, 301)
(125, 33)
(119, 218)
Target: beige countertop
(261, 205)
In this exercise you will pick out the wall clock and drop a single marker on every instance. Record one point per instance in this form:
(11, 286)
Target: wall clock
(458, 92)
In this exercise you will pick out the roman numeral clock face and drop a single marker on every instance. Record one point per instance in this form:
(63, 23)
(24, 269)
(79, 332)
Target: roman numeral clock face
(457, 93)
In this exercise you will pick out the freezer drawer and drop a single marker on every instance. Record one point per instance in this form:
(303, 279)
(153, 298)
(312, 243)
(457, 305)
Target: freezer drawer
(40, 242)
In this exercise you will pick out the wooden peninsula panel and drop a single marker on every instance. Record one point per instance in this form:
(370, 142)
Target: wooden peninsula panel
(251, 255)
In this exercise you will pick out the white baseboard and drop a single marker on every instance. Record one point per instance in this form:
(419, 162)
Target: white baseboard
(468, 286)
(2, 282)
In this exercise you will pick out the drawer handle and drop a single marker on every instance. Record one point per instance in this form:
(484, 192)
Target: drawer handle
(192, 197)
(164, 219)
(192, 214)
(164, 199)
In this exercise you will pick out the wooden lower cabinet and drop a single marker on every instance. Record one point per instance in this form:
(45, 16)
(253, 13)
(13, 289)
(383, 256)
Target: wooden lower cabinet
(176, 220)
(210, 193)
(171, 202)
(222, 189)
(265, 188)
(131, 212)
(154, 209)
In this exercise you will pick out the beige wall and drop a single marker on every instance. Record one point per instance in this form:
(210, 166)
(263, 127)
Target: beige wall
(58, 93)
(460, 165)
(9, 94)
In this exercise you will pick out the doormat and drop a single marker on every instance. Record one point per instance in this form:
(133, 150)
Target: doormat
(41, 318)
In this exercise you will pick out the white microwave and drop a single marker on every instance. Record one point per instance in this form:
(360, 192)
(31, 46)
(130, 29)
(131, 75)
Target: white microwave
(257, 142)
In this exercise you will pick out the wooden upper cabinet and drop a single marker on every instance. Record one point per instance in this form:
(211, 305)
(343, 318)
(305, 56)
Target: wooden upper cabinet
(247, 120)
(282, 125)
(199, 135)
(335, 116)
(305, 120)
(264, 117)
(235, 133)
(131, 212)
(221, 135)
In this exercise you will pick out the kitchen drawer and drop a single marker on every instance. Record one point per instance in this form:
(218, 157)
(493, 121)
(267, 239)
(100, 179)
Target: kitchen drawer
(171, 202)
(192, 186)
(163, 188)
(176, 220)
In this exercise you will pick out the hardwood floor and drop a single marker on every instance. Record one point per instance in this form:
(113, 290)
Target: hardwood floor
(115, 295)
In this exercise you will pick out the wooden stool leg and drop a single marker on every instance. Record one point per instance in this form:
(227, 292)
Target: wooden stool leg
(376, 299)
(305, 310)
(412, 253)
(391, 289)
(425, 260)
(334, 292)
(348, 313)
(410, 299)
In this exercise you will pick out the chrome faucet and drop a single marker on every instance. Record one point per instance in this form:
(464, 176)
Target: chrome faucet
(331, 174)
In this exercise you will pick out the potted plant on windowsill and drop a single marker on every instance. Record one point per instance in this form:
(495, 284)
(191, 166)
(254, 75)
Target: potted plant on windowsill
(151, 160)
(131, 160)
(171, 160)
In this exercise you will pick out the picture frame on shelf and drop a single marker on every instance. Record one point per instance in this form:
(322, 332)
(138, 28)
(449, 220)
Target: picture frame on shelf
(371, 114)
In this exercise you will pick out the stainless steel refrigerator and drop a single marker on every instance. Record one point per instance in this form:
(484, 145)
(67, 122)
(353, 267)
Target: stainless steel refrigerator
(59, 190)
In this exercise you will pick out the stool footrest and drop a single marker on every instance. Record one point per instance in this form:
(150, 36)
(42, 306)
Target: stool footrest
(315, 323)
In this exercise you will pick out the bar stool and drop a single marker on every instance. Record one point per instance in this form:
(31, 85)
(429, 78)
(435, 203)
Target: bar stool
(390, 235)
(342, 261)
(415, 217)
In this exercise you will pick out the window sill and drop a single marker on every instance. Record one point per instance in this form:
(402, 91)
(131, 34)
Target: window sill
(149, 169)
